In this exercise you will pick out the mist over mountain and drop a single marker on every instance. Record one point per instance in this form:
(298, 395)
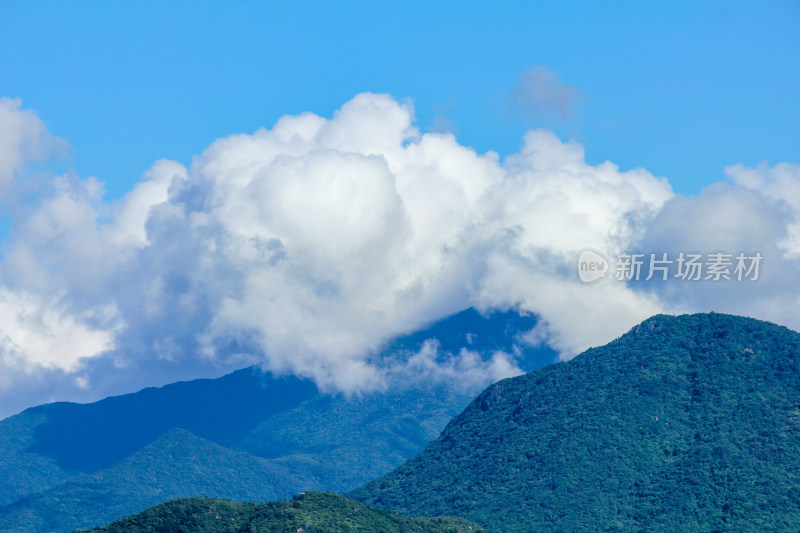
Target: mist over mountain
(307, 244)
(687, 423)
(249, 435)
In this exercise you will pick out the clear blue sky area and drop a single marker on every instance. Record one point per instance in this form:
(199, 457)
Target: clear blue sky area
(679, 88)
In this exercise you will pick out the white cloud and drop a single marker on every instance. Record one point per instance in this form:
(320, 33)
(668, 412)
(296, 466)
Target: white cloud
(23, 140)
(307, 246)
(466, 370)
(551, 205)
(37, 333)
(131, 213)
(757, 213)
(780, 183)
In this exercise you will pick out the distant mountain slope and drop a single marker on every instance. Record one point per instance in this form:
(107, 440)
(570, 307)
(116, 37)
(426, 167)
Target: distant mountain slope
(344, 443)
(312, 512)
(47, 444)
(93, 436)
(688, 423)
(24, 472)
(325, 442)
(50, 453)
(178, 464)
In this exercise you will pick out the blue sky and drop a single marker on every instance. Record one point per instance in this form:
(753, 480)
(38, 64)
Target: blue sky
(416, 159)
(680, 88)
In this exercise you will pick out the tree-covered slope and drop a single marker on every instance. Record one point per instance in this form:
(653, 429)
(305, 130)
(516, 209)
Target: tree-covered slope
(311, 512)
(688, 423)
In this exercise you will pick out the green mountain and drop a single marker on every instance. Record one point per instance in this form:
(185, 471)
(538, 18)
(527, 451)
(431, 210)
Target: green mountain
(323, 442)
(688, 423)
(311, 512)
(260, 437)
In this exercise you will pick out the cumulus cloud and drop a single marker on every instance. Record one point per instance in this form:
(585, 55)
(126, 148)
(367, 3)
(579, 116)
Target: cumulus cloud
(38, 328)
(467, 370)
(306, 246)
(39, 334)
(757, 212)
(23, 140)
(780, 183)
(541, 93)
(550, 205)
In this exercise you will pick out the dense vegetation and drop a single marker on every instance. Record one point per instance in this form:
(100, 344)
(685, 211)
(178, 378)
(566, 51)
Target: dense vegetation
(687, 423)
(247, 436)
(311, 512)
